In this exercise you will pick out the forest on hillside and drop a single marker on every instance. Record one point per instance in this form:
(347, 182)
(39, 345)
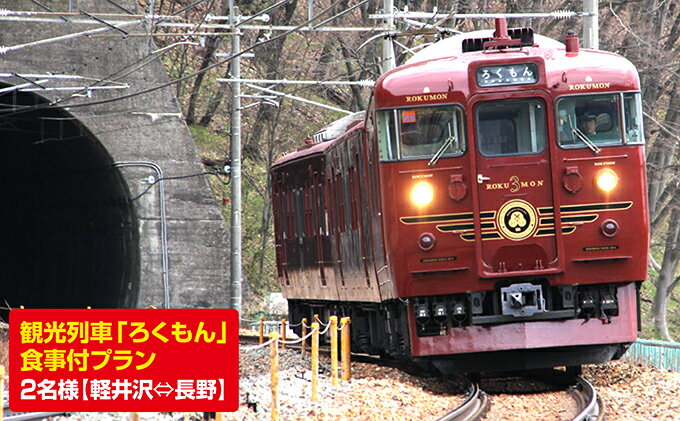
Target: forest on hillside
(647, 32)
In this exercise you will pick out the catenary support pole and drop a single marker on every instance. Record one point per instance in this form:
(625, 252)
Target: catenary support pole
(591, 25)
(235, 260)
(388, 60)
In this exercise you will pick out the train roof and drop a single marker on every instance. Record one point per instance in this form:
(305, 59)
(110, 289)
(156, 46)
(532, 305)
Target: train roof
(324, 138)
(444, 71)
(453, 46)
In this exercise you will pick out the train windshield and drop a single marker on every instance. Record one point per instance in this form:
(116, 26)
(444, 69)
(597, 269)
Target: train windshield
(421, 133)
(515, 127)
(599, 120)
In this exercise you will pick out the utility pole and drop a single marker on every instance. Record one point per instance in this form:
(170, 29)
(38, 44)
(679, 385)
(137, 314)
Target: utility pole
(591, 37)
(235, 268)
(388, 60)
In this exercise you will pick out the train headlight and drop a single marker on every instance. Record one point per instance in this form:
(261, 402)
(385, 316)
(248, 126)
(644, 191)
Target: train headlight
(607, 180)
(422, 193)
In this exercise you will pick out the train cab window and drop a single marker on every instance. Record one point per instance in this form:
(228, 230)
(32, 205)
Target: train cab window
(420, 133)
(598, 120)
(515, 127)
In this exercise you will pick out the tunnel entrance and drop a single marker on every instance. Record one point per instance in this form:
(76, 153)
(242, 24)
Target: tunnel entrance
(69, 235)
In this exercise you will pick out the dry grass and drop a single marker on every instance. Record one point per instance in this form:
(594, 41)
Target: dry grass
(4, 341)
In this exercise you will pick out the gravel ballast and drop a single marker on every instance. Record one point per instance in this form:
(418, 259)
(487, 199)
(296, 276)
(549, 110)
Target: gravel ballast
(379, 393)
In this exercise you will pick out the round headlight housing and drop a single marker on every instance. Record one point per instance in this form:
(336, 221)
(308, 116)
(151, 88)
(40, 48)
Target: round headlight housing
(422, 193)
(609, 228)
(606, 180)
(426, 241)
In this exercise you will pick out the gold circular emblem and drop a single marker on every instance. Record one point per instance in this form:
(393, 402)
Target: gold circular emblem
(517, 220)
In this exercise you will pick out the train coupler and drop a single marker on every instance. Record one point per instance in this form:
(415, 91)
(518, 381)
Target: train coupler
(522, 300)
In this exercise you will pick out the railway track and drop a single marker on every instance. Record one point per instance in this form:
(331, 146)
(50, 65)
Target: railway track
(473, 407)
(590, 403)
(476, 402)
(9, 415)
(589, 406)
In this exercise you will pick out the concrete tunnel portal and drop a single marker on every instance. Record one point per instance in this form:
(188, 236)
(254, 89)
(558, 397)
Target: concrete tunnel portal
(69, 234)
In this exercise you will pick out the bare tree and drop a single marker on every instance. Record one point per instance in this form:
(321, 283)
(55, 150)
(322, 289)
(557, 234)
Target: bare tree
(648, 33)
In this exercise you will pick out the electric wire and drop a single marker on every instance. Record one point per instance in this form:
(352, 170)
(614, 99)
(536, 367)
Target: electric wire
(140, 63)
(59, 103)
(180, 177)
(149, 58)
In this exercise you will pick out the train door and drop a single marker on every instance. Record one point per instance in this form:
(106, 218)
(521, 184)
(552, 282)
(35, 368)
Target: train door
(514, 204)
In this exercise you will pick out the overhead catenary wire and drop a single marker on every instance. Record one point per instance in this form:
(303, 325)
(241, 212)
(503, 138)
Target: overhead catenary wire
(301, 26)
(262, 12)
(297, 98)
(343, 13)
(558, 14)
(6, 49)
(120, 7)
(131, 68)
(366, 83)
(61, 101)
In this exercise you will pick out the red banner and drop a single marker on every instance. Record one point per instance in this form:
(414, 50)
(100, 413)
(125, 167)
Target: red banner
(123, 360)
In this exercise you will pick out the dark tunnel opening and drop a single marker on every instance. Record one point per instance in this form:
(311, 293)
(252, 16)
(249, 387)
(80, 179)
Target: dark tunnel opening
(69, 235)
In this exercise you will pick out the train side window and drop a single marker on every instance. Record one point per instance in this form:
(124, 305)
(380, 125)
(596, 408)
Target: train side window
(321, 209)
(299, 214)
(290, 217)
(340, 199)
(515, 127)
(632, 116)
(387, 134)
(278, 213)
(311, 219)
(597, 119)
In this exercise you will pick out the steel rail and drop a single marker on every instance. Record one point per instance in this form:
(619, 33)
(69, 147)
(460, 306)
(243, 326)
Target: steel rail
(9, 415)
(586, 396)
(473, 407)
(477, 402)
(590, 406)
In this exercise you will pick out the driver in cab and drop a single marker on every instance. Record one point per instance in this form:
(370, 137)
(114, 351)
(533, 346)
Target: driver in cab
(589, 124)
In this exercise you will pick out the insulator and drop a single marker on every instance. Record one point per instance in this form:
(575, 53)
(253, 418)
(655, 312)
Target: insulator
(563, 14)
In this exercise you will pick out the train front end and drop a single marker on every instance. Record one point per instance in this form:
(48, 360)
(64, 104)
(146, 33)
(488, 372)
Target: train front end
(514, 201)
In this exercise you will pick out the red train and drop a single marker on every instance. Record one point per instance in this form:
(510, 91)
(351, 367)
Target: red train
(488, 211)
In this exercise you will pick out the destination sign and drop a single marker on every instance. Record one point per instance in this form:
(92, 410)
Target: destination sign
(507, 74)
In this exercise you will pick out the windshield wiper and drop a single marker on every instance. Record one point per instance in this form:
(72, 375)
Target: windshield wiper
(589, 143)
(583, 138)
(449, 140)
